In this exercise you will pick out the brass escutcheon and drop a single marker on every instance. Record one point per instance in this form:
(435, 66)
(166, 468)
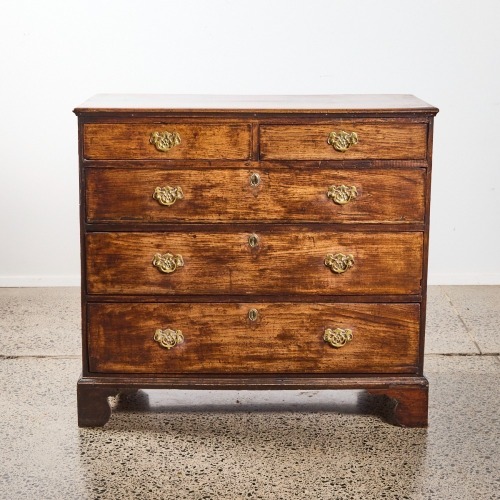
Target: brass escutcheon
(168, 195)
(253, 314)
(342, 141)
(167, 263)
(338, 337)
(339, 263)
(168, 338)
(342, 194)
(164, 141)
(253, 240)
(254, 179)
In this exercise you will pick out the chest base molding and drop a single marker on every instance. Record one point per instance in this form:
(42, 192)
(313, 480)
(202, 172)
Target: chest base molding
(406, 398)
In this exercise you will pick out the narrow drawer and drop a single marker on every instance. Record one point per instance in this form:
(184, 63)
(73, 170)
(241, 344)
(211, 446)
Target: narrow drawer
(282, 338)
(265, 194)
(277, 260)
(177, 141)
(385, 141)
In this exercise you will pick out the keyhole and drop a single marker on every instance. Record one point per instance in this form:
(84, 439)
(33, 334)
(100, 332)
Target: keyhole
(253, 240)
(254, 179)
(253, 314)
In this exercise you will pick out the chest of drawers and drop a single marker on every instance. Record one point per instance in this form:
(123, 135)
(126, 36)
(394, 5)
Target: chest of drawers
(254, 243)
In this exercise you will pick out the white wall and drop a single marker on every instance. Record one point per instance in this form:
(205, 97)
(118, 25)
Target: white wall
(54, 54)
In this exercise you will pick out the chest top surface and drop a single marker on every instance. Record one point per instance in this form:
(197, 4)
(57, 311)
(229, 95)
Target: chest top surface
(331, 104)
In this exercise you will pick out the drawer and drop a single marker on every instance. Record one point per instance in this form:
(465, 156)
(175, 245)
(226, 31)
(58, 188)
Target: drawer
(122, 141)
(275, 260)
(266, 194)
(385, 141)
(283, 338)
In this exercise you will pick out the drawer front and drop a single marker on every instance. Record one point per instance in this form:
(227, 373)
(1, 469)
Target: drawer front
(283, 338)
(121, 141)
(277, 260)
(391, 141)
(265, 194)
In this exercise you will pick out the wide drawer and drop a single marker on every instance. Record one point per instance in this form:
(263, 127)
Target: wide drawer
(274, 260)
(266, 194)
(378, 140)
(120, 141)
(283, 338)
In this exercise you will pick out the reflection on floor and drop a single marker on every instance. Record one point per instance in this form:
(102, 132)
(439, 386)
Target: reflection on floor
(262, 444)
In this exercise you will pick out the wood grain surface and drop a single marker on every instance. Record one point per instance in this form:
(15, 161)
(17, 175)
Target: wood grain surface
(285, 338)
(283, 194)
(287, 260)
(389, 141)
(198, 141)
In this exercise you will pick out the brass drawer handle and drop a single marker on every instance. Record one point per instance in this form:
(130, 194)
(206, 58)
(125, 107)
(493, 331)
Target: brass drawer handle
(167, 263)
(168, 338)
(342, 194)
(339, 263)
(167, 195)
(338, 337)
(163, 141)
(342, 141)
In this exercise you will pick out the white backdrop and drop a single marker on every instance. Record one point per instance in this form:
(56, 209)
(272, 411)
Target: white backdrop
(54, 54)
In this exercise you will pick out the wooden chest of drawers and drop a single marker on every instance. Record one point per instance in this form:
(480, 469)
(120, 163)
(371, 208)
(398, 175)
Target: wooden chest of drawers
(254, 243)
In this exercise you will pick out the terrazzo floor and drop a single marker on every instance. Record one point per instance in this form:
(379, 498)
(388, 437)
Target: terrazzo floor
(240, 444)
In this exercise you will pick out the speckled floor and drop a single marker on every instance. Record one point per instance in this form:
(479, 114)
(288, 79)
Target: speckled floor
(236, 445)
